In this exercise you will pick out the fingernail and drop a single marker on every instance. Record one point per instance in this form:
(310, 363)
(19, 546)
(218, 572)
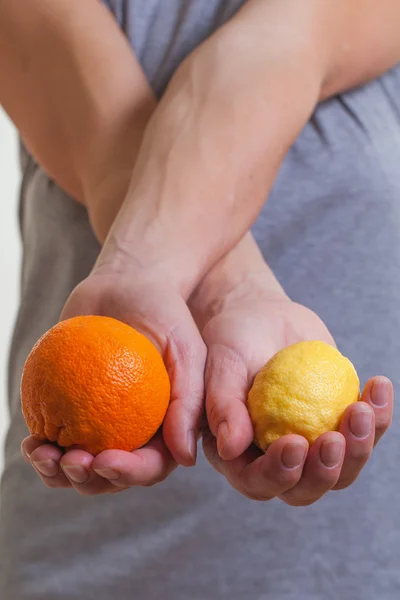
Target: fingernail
(108, 473)
(293, 455)
(222, 436)
(361, 422)
(192, 444)
(379, 396)
(76, 473)
(25, 453)
(48, 467)
(331, 453)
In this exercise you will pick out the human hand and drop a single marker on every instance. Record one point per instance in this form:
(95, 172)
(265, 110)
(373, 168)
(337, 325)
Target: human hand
(243, 330)
(158, 311)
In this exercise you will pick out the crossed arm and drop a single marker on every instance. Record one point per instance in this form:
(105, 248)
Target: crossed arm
(76, 92)
(209, 155)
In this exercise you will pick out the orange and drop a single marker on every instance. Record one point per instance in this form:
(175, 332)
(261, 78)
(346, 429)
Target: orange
(94, 383)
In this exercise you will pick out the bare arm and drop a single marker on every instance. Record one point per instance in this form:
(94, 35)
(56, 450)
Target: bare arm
(213, 147)
(362, 41)
(74, 89)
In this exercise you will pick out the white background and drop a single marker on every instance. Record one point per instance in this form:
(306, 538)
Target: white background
(9, 255)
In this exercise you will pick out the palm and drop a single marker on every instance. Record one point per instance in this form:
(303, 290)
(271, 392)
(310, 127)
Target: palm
(256, 328)
(241, 337)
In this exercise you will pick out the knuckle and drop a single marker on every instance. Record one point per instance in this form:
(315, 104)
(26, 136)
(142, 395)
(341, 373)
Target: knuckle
(92, 487)
(285, 479)
(271, 485)
(213, 413)
(261, 492)
(281, 480)
(324, 481)
(344, 483)
(255, 495)
(125, 481)
(301, 497)
(299, 502)
(54, 483)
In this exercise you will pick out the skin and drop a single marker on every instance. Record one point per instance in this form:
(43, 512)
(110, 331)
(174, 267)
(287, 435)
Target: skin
(166, 247)
(269, 320)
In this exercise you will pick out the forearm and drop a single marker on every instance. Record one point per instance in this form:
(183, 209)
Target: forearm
(361, 40)
(212, 149)
(72, 86)
(232, 110)
(244, 267)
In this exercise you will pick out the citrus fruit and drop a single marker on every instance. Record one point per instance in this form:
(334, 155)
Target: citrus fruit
(304, 389)
(94, 383)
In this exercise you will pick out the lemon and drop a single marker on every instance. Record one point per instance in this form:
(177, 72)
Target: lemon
(303, 389)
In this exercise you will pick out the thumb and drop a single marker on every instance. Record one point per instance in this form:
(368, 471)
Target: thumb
(227, 385)
(184, 357)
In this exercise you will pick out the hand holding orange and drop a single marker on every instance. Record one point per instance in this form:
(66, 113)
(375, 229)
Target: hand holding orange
(94, 383)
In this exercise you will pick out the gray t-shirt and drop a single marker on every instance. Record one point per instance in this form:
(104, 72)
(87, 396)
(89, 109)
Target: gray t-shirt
(331, 232)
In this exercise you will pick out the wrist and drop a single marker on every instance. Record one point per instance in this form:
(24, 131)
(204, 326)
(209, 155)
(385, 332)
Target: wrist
(144, 253)
(241, 274)
(111, 157)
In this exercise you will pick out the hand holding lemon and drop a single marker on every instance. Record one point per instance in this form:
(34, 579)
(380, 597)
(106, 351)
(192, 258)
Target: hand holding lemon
(302, 409)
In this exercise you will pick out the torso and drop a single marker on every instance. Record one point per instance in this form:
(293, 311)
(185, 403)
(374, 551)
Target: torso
(331, 232)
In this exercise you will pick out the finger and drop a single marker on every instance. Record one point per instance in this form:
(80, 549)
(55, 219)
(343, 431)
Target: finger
(262, 477)
(321, 470)
(358, 428)
(144, 467)
(226, 393)
(378, 393)
(28, 445)
(45, 459)
(185, 358)
(77, 467)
